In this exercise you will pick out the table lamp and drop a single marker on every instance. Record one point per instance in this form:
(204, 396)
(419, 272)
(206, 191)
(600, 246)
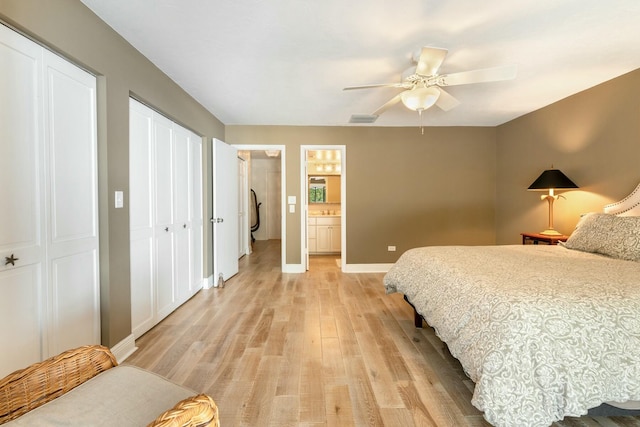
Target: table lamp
(551, 179)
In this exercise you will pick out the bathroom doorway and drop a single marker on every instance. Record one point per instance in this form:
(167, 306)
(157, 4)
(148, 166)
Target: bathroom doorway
(323, 192)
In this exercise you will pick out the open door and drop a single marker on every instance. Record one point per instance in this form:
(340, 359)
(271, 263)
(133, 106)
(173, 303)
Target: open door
(305, 212)
(225, 211)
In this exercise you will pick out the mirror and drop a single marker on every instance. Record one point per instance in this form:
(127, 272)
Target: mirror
(324, 189)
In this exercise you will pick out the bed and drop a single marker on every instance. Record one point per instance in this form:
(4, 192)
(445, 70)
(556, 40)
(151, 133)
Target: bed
(543, 331)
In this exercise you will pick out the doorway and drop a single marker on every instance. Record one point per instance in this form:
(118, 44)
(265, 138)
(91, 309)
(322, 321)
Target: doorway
(265, 175)
(323, 194)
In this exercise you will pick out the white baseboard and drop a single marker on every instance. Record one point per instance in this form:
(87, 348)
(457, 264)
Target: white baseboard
(293, 268)
(202, 284)
(207, 283)
(366, 268)
(298, 268)
(124, 348)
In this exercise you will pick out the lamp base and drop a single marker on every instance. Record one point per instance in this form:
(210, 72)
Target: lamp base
(551, 232)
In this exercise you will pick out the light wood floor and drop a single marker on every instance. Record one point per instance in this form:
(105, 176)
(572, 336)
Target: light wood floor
(313, 349)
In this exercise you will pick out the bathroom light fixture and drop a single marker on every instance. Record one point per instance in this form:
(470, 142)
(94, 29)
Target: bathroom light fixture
(272, 153)
(551, 179)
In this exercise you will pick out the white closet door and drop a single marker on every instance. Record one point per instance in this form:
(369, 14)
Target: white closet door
(73, 205)
(164, 214)
(183, 207)
(49, 281)
(165, 175)
(141, 218)
(197, 273)
(22, 294)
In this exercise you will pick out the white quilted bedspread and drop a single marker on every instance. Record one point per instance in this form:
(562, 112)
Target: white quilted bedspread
(543, 331)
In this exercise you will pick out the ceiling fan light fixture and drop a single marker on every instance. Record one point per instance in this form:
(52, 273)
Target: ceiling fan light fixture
(420, 99)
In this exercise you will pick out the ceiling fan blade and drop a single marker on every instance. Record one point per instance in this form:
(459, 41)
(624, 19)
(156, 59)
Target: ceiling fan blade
(401, 85)
(430, 60)
(478, 76)
(390, 103)
(446, 101)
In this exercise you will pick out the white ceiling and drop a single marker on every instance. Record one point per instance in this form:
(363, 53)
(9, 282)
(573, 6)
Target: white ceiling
(285, 62)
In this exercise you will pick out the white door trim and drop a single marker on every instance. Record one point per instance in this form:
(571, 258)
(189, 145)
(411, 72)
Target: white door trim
(261, 147)
(304, 206)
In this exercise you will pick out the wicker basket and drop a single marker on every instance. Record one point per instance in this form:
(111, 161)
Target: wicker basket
(42, 382)
(195, 411)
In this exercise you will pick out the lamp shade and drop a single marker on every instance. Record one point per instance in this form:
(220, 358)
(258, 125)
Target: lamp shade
(552, 178)
(421, 98)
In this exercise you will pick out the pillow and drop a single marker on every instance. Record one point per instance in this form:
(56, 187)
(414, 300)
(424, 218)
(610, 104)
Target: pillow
(611, 235)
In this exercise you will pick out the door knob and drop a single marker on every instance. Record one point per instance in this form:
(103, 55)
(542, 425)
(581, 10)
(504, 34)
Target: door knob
(166, 229)
(10, 260)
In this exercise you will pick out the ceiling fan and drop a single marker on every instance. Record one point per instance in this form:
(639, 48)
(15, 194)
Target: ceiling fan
(423, 86)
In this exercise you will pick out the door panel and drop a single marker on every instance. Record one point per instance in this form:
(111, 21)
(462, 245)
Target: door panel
(182, 207)
(20, 156)
(183, 262)
(323, 238)
(72, 152)
(73, 200)
(336, 238)
(74, 300)
(164, 214)
(142, 294)
(21, 294)
(164, 274)
(141, 191)
(163, 173)
(197, 273)
(22, 204)
(182, 177)
(140, 172)
(225, 210)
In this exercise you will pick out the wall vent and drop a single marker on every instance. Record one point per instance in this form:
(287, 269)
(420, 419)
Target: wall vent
(363, 118)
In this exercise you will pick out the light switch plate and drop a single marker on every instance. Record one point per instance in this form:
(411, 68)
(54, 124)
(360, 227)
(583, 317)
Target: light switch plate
(292, 208)
(119, 199)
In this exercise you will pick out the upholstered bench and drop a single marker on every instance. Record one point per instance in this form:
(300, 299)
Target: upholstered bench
(86, 387)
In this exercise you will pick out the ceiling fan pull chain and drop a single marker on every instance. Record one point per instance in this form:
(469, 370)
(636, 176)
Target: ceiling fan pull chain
(421, 124)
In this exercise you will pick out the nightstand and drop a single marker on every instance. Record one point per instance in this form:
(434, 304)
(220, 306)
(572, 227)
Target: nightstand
(536, 238)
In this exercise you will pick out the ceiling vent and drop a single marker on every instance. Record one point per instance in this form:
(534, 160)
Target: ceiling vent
(363, 118)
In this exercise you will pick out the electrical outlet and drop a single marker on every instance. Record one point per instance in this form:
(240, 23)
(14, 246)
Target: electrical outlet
(391, 248)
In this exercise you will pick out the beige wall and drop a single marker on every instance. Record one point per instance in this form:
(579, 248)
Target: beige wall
(593, 137)
(403, 188)
(68, 27)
